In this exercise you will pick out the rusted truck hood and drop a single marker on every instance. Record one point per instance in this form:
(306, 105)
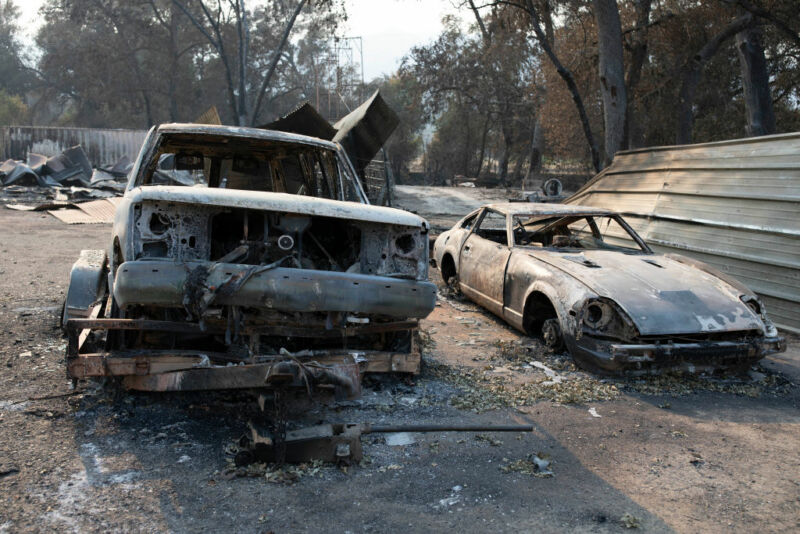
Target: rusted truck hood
(282, 202)
(660, 295)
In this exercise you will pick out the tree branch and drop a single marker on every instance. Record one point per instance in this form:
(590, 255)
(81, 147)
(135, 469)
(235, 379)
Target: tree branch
(693, 72)
(274, 64)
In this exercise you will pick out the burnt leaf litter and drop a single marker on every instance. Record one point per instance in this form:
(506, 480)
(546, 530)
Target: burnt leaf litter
(541, 375)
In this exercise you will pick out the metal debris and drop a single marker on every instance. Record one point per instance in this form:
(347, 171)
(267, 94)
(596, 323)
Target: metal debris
(68, 175)
(341, 442)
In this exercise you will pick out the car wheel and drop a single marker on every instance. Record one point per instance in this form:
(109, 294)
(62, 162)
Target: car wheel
(452, 282)
(551, 333)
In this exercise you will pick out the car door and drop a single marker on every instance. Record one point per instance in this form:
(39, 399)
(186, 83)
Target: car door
(483, 259)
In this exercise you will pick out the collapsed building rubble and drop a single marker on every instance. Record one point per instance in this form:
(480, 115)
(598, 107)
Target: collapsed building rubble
(362, 133)
(62, 181)
(71, 168)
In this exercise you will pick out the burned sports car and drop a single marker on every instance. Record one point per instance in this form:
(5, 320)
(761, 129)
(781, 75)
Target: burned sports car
(248, 258)
(581, 277)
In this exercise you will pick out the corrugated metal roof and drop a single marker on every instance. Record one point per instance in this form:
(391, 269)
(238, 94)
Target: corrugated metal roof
(733, 204)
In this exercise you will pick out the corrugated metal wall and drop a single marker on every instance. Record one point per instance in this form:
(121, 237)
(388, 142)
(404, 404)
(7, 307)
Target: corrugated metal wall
(103, 146)
(732, 204)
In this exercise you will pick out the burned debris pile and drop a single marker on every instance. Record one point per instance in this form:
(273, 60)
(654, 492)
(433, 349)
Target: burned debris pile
(68, 176)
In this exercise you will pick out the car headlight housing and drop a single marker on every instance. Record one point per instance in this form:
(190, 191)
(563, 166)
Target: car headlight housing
(755, 305)
(603, 317)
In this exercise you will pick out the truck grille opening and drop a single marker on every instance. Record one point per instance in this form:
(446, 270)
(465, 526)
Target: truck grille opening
(321, 243)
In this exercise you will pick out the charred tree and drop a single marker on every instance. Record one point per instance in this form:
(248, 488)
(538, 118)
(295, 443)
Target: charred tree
(275, 59)
(693, 71)
(612, 75)
(569, 80)
(755, 83)
(638, 48)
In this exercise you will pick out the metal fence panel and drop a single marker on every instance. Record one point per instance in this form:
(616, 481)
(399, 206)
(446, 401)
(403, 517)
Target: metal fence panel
(102, 146)
(733, 204)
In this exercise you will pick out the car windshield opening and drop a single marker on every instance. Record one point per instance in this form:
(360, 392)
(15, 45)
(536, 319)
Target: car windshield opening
(575, 232)
(249, 164)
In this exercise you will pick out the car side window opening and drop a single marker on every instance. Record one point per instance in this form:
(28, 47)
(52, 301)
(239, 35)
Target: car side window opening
(469, 221)
(574, 232)
(493, 227)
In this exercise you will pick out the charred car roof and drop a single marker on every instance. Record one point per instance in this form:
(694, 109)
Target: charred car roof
(540, 208)
(245, 133)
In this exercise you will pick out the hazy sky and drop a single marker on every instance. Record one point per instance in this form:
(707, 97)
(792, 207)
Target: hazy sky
(389, 28)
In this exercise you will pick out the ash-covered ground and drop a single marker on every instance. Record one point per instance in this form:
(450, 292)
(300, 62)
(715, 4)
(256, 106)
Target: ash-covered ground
(659, 455)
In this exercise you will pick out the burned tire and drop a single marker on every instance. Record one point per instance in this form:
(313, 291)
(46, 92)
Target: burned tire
(449, 273)
(551, 335)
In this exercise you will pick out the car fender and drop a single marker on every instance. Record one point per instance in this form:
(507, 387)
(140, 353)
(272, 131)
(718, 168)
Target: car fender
(86, 285)
(526, 274)
(449, 243)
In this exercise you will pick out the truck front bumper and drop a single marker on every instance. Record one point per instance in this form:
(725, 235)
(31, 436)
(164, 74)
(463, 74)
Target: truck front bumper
(161, 283)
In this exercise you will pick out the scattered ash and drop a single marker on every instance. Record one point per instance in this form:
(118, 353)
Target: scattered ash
(521, 353)
(480, 392)
(757, 383)
(555, 377)
(457, 300)
(276, 474)
(537, 465)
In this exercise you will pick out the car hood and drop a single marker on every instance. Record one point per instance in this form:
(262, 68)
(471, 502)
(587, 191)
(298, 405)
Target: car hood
(260, 200)
(661, 296)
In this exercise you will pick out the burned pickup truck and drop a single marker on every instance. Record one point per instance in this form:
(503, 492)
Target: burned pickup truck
(248, 258)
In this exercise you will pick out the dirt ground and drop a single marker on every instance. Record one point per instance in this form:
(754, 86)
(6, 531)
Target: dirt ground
(660, 456)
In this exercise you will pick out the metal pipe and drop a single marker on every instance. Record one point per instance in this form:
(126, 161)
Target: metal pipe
(370, 429)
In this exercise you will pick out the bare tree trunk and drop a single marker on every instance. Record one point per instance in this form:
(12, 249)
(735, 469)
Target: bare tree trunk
(244, 37)
(483, 147)
(505, 155)
(218, 44)
(275, 59)
(535, 153)
(569, 80)
(638, 56)
(755, 81)
(467, 149)
(487, 39)
(612, 75)
(693, 71)
(516, 177)
(173, 44)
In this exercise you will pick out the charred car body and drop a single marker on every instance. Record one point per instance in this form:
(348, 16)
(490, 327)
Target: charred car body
(581, 277)
(248, 258)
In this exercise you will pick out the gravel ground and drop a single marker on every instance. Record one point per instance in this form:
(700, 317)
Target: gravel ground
(661, 456)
